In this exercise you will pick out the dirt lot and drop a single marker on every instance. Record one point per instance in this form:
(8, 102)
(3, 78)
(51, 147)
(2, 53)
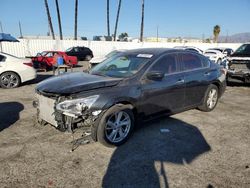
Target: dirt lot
(201, 149)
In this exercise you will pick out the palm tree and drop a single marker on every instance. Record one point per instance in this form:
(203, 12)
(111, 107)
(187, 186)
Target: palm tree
(142, 20)
(216, 33)
(76, 7)
(108, 18)
(117, 18)
(49, 19)
(59, 20)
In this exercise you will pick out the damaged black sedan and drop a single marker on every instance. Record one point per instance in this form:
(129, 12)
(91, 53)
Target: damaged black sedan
(130, 86)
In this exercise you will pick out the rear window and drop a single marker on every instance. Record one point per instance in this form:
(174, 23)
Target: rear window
(2, 58)
(210, 53)
(191, 62)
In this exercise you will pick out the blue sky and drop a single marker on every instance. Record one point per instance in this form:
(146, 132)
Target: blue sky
(184, 18)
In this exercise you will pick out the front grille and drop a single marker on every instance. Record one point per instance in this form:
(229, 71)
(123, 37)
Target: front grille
(46, 109)
(240, 65)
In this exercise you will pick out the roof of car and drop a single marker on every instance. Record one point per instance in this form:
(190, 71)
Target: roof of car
(214, 51)
(54, 51)
(153, 51)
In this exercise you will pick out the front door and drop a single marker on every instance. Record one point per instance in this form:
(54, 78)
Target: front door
(167, 94)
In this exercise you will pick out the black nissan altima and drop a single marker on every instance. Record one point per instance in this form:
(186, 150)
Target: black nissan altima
(130, 86)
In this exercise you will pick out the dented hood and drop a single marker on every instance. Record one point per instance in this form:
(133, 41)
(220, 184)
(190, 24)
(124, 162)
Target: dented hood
(74, 83)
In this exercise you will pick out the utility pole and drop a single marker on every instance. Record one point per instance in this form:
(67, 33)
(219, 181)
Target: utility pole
(1, 27)
(20, 29)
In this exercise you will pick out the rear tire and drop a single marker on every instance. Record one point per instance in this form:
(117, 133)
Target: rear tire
(114, 126)
(210, 99)
(9, 80)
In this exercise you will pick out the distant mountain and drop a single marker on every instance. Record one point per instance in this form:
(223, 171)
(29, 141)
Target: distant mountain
(236, 38)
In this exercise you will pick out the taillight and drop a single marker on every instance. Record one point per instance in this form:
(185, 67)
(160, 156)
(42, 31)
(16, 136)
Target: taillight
(29, 64)
(223, 71)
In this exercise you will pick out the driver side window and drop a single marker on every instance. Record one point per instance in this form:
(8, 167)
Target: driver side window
(166, 64)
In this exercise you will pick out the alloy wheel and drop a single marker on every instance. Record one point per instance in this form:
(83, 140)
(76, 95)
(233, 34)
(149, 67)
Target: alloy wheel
(212, 98)
(117, 126)
(10, 80)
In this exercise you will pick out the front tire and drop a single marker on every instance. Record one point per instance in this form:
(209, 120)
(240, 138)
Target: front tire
(115, 125)
(9, 80)
(210, 99)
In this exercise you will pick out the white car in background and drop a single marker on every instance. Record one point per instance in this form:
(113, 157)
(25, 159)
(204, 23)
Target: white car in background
(215, 55)
(225, 51)
(96, 60)
(14, 70)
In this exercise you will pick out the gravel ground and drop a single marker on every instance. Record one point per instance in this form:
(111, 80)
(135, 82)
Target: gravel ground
(200, 149)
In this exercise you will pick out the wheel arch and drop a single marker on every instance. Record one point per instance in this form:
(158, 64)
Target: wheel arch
(106, 107)
(13, 72)
(218, 85)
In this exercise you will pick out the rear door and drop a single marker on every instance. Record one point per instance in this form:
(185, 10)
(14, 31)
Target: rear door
(197, 72)
(168, 94)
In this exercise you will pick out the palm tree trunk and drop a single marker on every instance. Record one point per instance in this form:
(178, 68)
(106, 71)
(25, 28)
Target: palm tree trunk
(117, 18)
(59, 20)
(49, 19)
(142, 21)
(108, 27)
(76, 8)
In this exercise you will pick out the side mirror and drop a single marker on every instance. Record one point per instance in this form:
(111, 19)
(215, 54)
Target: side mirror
(155, 75)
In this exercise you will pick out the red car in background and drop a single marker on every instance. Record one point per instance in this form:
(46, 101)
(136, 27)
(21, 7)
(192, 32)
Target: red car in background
(45, 59)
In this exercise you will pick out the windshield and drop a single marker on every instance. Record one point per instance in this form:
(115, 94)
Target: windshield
(121, 65)
(69, 49)
(208, 53)
(244, 49)
(42, 53)
(218, 49)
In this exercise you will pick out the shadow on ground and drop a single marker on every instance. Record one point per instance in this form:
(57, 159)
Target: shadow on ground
(9, 113)
(39, 78)
(133, 164)
(238, 84)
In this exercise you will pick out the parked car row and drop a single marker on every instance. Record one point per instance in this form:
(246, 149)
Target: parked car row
(71, 57)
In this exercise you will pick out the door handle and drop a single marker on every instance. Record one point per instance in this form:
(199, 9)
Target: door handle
(180, 81)
(206, 73)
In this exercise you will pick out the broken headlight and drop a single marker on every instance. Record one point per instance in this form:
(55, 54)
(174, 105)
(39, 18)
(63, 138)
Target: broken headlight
(76, 106)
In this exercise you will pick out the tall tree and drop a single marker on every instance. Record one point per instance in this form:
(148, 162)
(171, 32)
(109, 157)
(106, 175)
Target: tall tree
(142, 20)
(117, 18)
(76, 14)
(59, 20)
(49, 19)
(108, 27)
(216, 33)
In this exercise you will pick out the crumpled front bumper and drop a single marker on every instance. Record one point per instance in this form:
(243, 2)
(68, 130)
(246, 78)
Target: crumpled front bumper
(47, 113)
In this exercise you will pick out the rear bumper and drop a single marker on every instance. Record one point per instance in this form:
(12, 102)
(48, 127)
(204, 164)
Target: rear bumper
(28, 75)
